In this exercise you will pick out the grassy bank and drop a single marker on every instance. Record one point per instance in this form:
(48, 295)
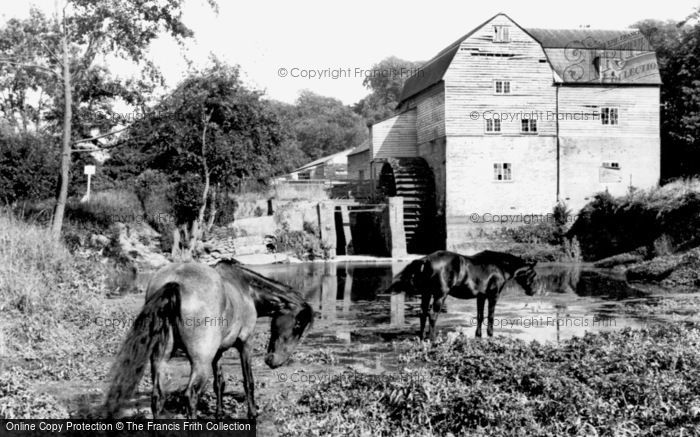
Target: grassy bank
(624, 383)
(52, 305)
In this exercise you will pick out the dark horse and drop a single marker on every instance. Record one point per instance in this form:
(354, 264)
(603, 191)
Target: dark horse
(205, 311)
(481, 276)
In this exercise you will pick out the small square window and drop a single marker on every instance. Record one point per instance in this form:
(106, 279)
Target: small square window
(502, 171)
(502, 86)
(609, 116)
(528, 125)
(501, 34)
(493, 125)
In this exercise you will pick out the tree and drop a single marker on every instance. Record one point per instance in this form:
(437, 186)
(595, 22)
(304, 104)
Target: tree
(210, 134)
(677, 46)
(386, 84)
(322, 125)
(58, 58)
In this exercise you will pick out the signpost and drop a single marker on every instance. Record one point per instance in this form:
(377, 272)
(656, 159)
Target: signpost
(89, 171)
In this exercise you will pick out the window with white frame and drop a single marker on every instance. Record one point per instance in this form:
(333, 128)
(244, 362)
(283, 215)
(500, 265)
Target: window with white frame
(493, 126)
(528, 125)
(501, 34)
(609, 116)
(501, 86)
(502, 171)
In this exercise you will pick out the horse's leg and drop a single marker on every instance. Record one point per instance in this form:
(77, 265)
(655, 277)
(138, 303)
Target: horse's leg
(198, 378)
(219, 383)
(158, 391)
(424, 308)
(480, 300)
(248, 383)
(493, 298)
(158, 359)
(438, 300)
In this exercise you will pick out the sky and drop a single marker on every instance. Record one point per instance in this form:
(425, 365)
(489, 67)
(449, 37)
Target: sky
(306, 37)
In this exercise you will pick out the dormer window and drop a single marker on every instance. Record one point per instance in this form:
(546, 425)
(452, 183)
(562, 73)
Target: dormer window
(501, 34)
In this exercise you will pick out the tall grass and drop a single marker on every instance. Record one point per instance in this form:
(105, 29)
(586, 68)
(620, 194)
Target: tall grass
(51, 302)
(31, 263)
(103, 210)
(47, 295)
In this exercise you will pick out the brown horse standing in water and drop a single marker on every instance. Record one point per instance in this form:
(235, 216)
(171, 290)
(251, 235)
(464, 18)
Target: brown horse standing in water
(204, 311)
(481, 276)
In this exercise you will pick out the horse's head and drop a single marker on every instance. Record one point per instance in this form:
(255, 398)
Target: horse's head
(285, 332)
(525, 276)
(412, 278)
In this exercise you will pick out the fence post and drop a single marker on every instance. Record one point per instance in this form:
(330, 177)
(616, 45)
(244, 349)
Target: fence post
(397, 233)
(326, 225)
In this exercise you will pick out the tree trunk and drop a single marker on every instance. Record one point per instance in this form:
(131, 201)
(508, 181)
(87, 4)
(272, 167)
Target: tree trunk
(198, 225)
(60, 208)
(212, 209)
(175, 252)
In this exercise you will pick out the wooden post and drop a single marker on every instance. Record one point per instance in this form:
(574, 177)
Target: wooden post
(345, 217)
(398, 309)
(326, 225)
(396, 230)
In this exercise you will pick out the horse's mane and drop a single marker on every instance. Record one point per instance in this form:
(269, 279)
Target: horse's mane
(269, 291)
(506, 261)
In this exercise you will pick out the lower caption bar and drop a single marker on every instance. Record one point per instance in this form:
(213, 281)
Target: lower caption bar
(117, 427)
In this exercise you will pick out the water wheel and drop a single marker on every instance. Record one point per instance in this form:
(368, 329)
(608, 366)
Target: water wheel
(412, 179)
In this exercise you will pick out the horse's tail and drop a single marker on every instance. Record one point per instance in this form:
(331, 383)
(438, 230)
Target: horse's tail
(148, 336)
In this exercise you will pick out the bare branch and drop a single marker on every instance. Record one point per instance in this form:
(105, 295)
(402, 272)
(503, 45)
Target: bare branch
(85, 140)
(23, 65)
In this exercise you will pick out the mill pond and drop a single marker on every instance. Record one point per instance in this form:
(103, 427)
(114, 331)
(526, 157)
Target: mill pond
(352, 307)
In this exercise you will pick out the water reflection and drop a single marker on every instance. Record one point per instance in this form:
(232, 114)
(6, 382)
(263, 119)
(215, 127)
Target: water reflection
(351, 306)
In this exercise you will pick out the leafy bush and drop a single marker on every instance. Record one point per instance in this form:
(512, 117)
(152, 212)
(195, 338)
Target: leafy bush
(612, 225)
(153, 191)
(549, 230)
(19, 402)
(101, 212)
(305, 245)
(28, 168)
(186, 198)
(630, 382)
